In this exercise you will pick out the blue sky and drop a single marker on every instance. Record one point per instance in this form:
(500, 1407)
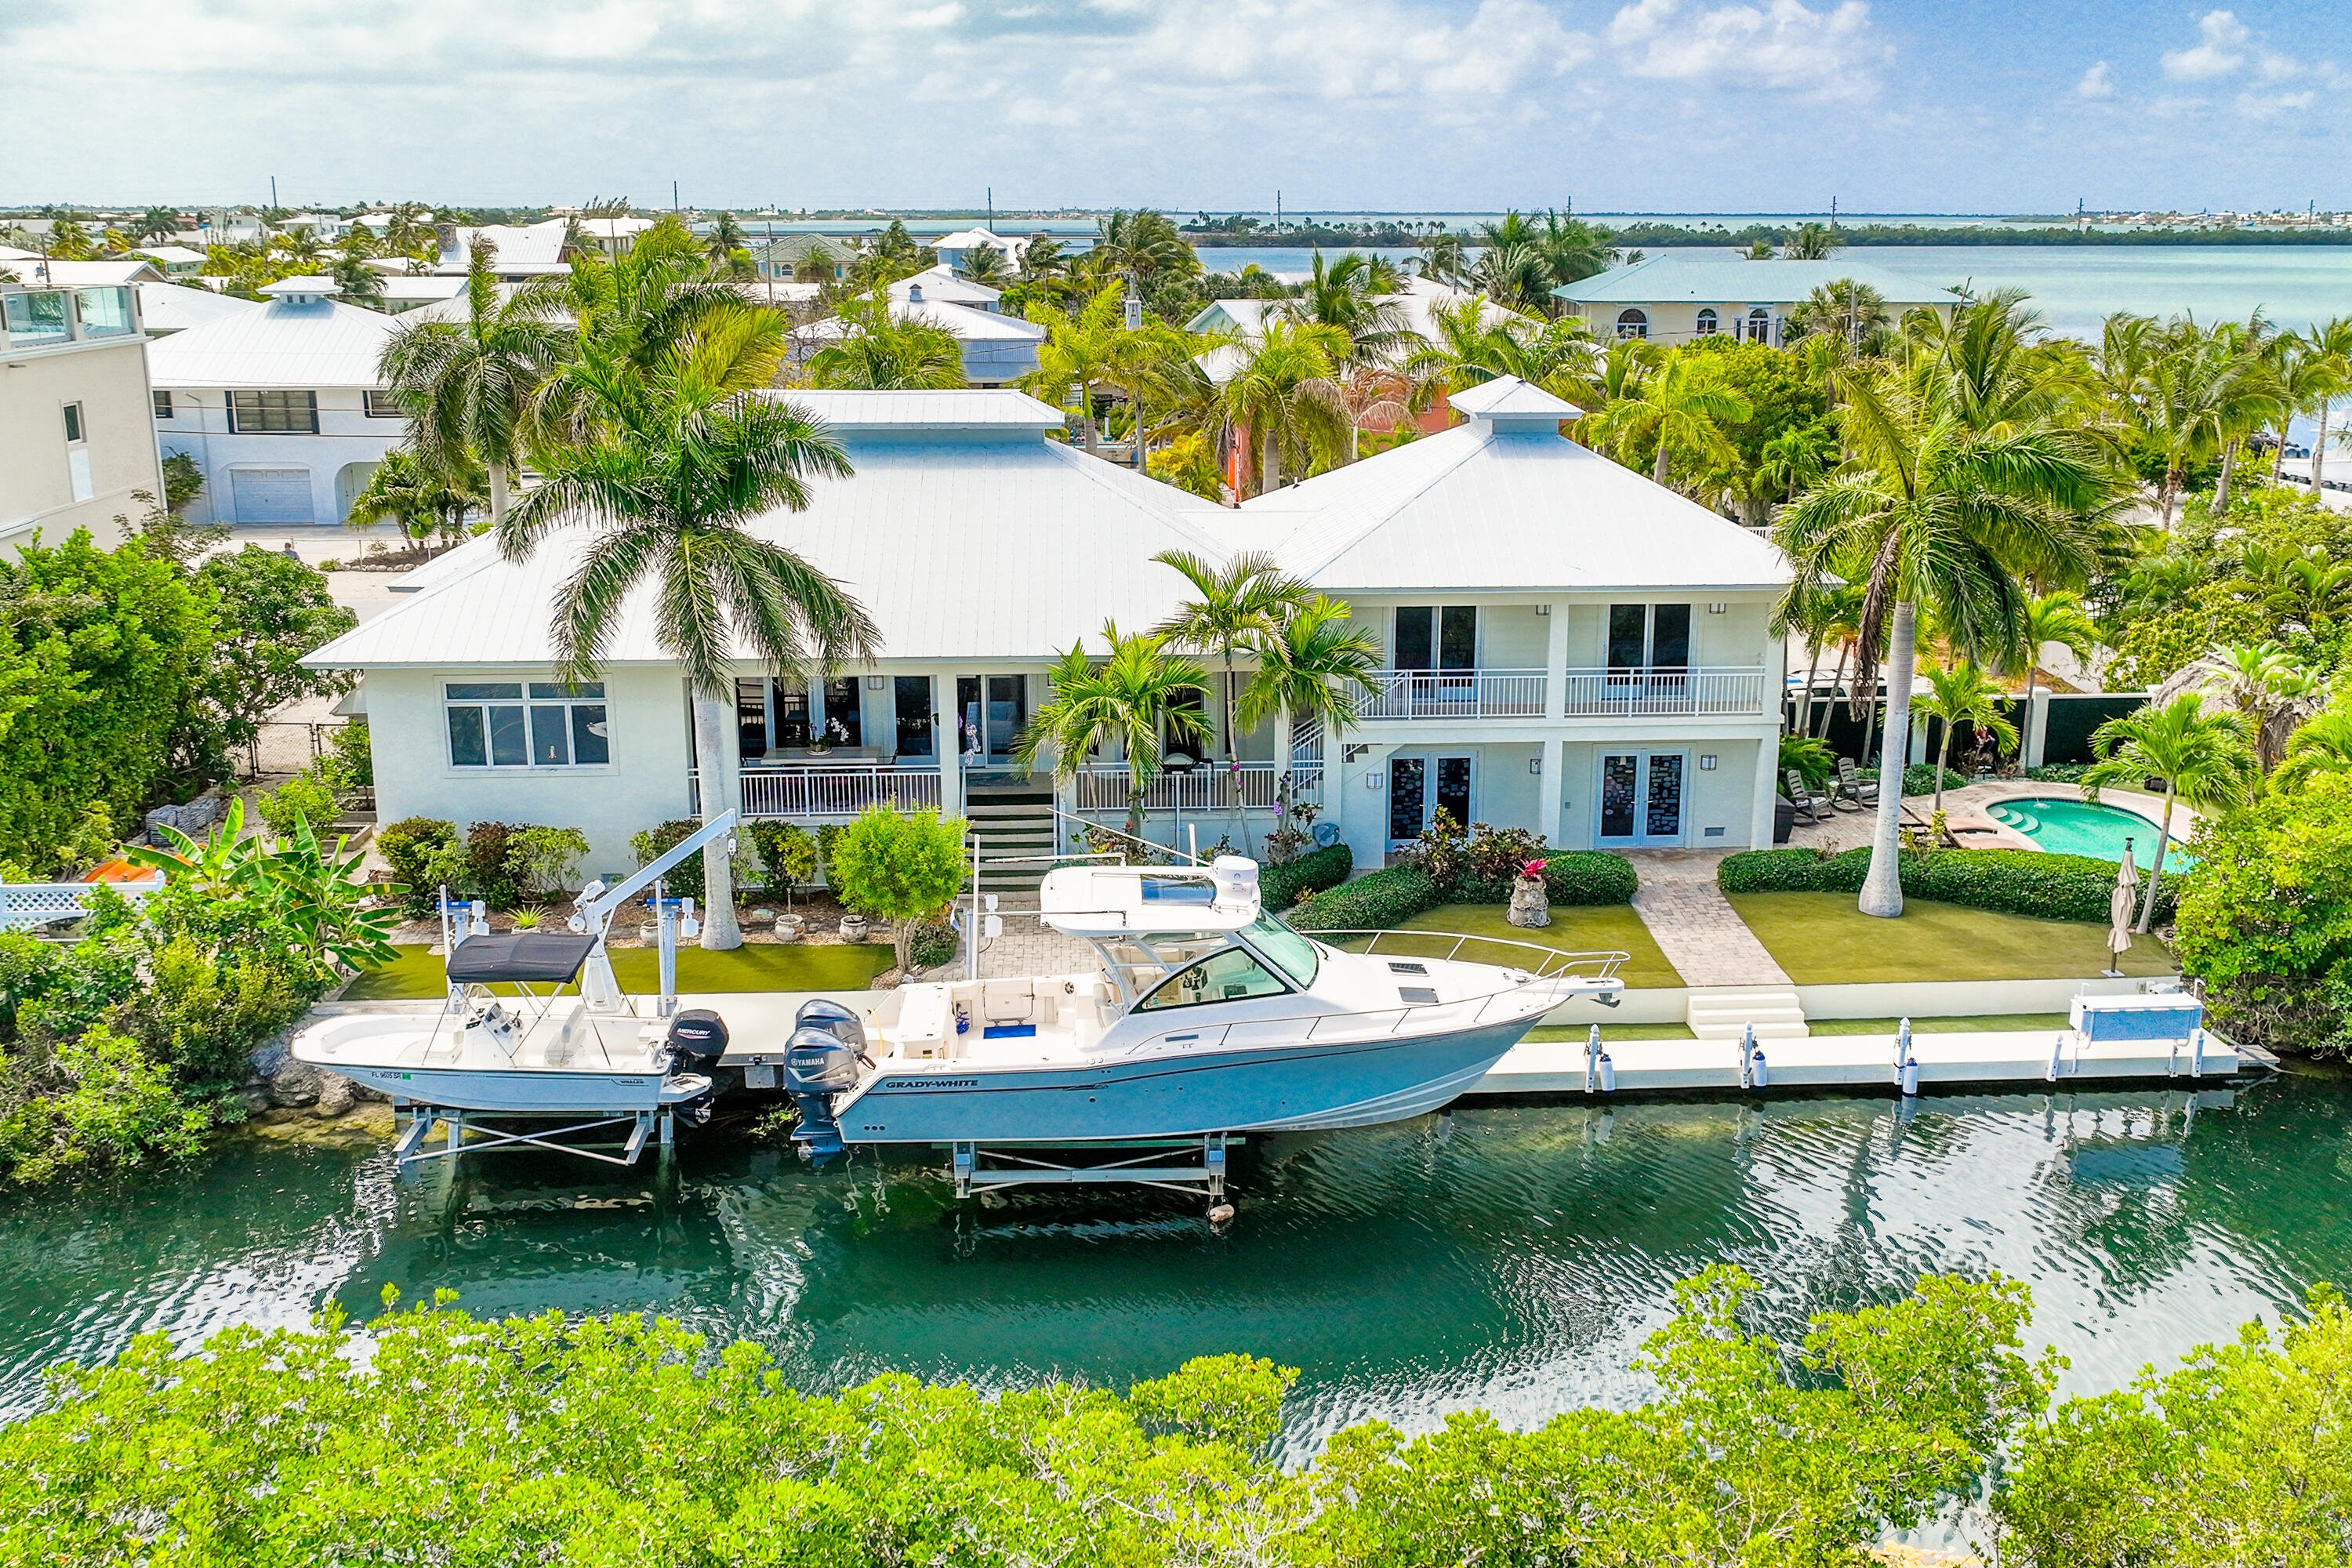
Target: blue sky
(1660, 105)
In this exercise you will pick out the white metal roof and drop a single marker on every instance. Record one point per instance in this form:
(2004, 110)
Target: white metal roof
(534, 248)
(166, 308)
(1416, 312)
(1498, 506)
(172, 254)
(960, 323)
(963, 545)
(1508, 397)
(1726, 278)
(972, 238)
(941, 284)
(281, 344)
(38, 273)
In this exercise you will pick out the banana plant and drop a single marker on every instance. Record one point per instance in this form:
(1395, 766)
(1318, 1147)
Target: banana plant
(320, 894)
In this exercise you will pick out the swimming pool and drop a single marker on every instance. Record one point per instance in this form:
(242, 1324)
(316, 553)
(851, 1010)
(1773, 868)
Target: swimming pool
(2078, 827)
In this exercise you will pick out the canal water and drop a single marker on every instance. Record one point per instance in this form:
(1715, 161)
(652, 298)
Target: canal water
(1508, 1257)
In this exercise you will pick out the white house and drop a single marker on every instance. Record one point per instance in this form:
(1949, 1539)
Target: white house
(75, 440)
(998, 349)
(1679, 296)
(176, 260)
(1569, 647)
(280, 406)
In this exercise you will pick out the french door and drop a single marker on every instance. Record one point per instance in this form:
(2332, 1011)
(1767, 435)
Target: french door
(1642, 798)
(992, 710)
(1420, 788)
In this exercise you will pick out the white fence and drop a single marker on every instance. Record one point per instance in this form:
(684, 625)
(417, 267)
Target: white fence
(24, 905)
(1454, 694)
(1702, 690)
(803, 792)
(1205, 788)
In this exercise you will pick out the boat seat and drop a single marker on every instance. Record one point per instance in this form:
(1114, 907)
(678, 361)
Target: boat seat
(1008, 1002)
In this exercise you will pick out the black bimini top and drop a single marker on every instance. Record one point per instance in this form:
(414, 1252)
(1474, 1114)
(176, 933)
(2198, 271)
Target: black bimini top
(525, 955)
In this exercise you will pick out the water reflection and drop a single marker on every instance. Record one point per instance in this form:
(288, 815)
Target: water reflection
(1511, 1256)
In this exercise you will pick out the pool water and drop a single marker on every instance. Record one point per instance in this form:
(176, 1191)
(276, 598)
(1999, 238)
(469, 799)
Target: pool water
(2078, 827)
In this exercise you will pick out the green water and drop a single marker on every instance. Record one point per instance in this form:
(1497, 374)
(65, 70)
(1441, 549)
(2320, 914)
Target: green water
(1506, 1256)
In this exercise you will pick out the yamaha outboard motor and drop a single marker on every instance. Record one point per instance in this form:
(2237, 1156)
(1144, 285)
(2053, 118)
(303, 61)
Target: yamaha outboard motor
(698, 1039)
(828, 1045)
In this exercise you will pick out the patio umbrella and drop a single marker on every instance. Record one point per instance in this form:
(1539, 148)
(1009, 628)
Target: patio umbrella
(2120, 907)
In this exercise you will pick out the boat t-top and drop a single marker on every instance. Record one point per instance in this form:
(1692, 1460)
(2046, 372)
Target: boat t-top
(1203, 1017)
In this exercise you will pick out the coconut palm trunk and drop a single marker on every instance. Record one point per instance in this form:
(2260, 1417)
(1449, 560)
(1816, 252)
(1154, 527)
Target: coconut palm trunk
(2222, 489)
(2319, 450)
(1882, 892)
(499, 496)
(2163, 841)
(720, 932)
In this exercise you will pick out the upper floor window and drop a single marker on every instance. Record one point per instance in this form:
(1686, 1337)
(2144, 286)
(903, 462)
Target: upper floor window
(520, 724)
(37, 318)
(1706, 327)
(383, 404)
(74, 432)
(106, 312)
(163, 405)
(1632, 324)
(1649, 636)
(280, 413)
(1433, 636)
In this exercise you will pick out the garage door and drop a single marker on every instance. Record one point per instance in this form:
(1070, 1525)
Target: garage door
(271, 495)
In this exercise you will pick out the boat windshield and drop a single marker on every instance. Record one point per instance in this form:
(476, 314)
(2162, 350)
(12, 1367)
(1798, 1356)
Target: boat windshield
(1290, 952)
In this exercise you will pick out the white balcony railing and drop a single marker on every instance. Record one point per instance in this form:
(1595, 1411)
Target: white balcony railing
(1454, 694)
(799, 794)
(1205, 788)
(27, 905)
(1702, 689)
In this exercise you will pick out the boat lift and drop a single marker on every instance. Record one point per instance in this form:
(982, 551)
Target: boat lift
(592, 913)
(970, 1165)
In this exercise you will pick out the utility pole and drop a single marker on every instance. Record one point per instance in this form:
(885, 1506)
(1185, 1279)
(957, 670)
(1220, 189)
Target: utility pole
(1834, 212)
(1277, 208)
(273, 192)
(992, 209)
(673, 198)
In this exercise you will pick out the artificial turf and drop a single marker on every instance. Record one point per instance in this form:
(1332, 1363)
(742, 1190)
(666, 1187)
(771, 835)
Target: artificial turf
(415, 975)
(1821, 939)
(1991, 1023)
(1611, 1032)
(1598, 927)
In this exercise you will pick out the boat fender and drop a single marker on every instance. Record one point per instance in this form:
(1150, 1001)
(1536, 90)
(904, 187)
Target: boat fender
(1910, 1076)
(1758, 1073)
(1608, 1074)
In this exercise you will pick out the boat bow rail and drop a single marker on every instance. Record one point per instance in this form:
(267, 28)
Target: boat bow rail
(1548, 962)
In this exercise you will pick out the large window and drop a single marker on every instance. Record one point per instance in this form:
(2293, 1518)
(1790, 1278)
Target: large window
(274, 413)
(1649, 636)
(1632, 324)
(163, 405)
(383, 404)
(106, 312)
(843, 717)
(1707, 323)
(1431, 636)
(37, 318)
(1232, 975)
(916, 737)
(533, 724)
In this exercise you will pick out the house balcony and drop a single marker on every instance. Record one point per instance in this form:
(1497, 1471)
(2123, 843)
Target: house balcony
(1698, 690)
(817, 791)
(1208, 787)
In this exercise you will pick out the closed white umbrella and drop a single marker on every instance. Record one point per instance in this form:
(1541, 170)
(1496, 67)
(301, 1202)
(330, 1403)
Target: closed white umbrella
(2122, 907)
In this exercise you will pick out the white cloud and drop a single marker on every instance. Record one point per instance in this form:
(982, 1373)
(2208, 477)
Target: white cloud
(2220, 52)
(1826, 54)
(2095, 83)
(2270, 106)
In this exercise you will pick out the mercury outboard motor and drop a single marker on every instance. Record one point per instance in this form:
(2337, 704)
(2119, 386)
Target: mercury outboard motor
(698, 1039)
(827, 1047)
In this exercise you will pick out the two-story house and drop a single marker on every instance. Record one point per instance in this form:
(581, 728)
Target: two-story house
(1569, 647)
(76, 438)
(1681, 295)
(281, 407)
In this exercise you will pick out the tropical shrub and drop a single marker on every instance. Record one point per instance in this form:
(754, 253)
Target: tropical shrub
(931, 943)
(900, 866)
(787, 856)
(1281, 885)
(1811, 758)
(661, 838)
(2265, 921)
(117, 1107)
(1374, 902)
(305, 798)
(2059, 772)
(2014, 882)
(541, 860)
(1919, 778)
(353, 751)
(1584, 877)
(271, 610)
(412, 847)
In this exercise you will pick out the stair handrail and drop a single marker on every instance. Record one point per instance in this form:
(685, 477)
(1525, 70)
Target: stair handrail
(1091, 827)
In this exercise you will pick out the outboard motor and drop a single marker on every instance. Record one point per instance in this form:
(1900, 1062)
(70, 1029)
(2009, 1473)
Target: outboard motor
(827, 1048)
(698, 1039)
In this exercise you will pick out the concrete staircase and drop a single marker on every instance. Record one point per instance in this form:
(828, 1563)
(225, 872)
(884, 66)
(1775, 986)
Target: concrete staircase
(1725, 1014)
(1013, 824)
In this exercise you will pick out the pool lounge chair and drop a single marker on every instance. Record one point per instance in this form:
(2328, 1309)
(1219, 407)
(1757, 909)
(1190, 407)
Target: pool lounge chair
(1853, 787)
(1814, 805)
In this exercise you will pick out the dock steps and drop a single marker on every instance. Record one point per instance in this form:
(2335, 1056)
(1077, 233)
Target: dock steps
(1774, 1014)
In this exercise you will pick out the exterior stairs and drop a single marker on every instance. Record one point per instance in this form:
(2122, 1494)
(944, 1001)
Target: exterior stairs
(1013, 825)
(1725, 1014)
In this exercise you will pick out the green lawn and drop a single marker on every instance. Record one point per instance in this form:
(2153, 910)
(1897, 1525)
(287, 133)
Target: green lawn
(1596, 929)
(1821, 939)
(415, 974)
(1612, 1032)
(1991, 1023)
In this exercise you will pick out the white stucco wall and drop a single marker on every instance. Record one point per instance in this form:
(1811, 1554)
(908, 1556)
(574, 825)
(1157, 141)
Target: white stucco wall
(348, 439)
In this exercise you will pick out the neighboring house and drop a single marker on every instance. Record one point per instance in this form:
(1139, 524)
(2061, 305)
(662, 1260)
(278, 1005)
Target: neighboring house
(168, 308)
(116, 272)
(75, 434)
(1572, 648)
(951, 248)
(280, 406)
(175, 260)
(403, 290)
(998, 349)
(1678, 297)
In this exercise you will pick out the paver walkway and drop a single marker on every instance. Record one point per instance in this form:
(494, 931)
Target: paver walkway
(1696, 927)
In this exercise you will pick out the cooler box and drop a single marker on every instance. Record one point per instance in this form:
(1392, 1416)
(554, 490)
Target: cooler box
(2174, 1015)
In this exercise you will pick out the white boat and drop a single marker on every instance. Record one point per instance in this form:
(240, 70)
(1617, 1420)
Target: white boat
(1205, 1017)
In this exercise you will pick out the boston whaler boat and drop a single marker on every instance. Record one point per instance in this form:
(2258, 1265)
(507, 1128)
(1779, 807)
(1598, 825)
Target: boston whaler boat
(1206, 1018)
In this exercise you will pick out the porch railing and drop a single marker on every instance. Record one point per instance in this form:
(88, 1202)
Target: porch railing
(1707, 690)
(1454, 694)
(802, 792)
(1205, 788)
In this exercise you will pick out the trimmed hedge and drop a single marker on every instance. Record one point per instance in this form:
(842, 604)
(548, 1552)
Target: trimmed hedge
(1279, 887)
(1919, 778)
(2012, 881)
(1384, 899)
(1371, 903)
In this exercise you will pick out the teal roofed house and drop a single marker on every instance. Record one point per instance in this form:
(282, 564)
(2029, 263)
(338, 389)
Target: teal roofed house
(1676, 298)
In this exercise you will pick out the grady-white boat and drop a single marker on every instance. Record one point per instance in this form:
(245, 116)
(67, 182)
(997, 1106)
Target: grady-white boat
(1205, 1017)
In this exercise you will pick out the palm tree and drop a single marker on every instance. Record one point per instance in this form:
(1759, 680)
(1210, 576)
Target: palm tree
(1285, 392)
(1961, 694)
(1144, 246)
(1475, 343)
(1443, 258)
(1678, 407)
(1931, 512)
(1855, 312)
(2201, 758)
(423, 498)
(2332, 339)
(2253, 677)
(471, 385)
(2186, 397)
(1342, 295)
(2058, 618)
(2323, 744)
(727, 237)
(879, 351)
(985, 265)
(1122, 704)
(1796, 459)
(817, 264)
(675, 463)
(1240, 608)
(158, 223)
(1812, 242)
(2305, 379)
(1314, 668)
(1573, 251)
(1080, 351)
